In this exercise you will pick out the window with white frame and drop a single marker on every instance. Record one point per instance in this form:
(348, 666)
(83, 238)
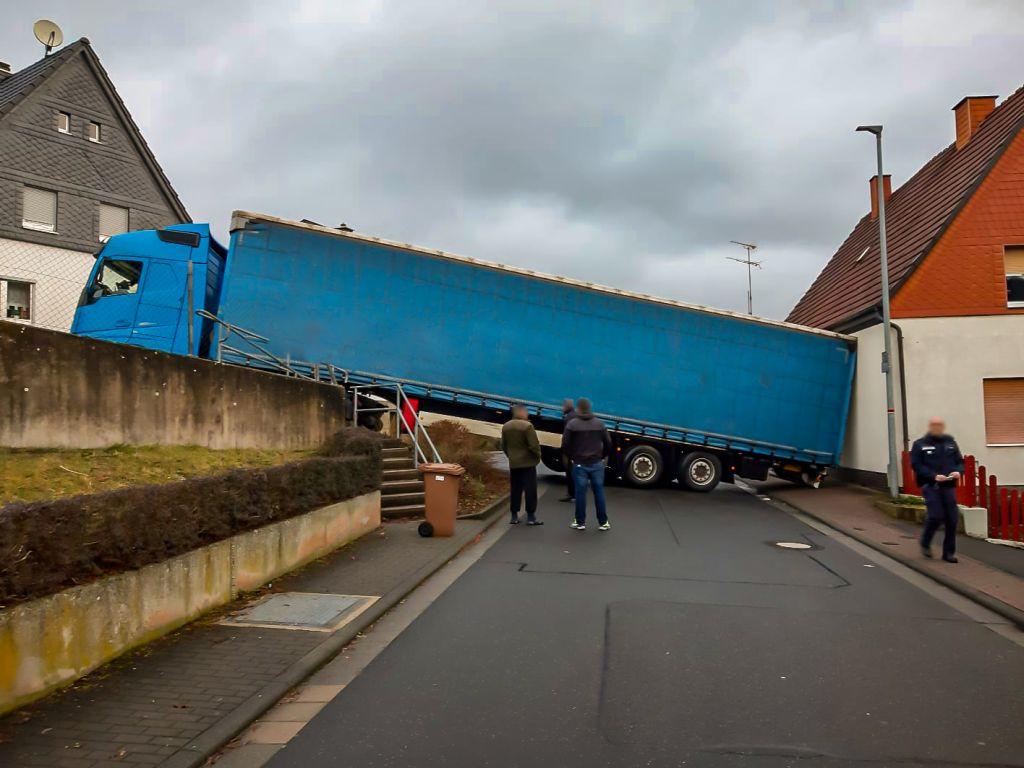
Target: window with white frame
(93, 132)
(39, 209)
(1013, 261)
(64, 122)
(113, 220)
(18, 300)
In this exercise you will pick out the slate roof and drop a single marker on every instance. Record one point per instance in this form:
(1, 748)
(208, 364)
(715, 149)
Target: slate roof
(917, 214)
(15, 88)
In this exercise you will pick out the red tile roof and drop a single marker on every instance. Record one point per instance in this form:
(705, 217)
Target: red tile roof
(916, 216)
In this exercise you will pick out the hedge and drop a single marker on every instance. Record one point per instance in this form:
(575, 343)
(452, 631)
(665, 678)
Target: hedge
(46, 546)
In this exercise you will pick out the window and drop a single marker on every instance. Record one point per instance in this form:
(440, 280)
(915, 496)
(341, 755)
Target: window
(1013, 261)
(1004, 411)
(39, 209)
(113, 221)
(116, 278)
(93, 131)
(64, 122)
(19, 300)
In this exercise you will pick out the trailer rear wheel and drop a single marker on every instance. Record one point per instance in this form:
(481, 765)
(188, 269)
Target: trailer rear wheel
(700, 471)
(643, 466)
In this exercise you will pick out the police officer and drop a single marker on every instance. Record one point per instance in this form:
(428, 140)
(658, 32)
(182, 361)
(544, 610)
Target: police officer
(938, 464)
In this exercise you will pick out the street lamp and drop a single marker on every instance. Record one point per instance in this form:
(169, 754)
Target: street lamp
(886, 325)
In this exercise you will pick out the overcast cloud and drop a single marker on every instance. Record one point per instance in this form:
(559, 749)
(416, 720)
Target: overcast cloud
(622, 143)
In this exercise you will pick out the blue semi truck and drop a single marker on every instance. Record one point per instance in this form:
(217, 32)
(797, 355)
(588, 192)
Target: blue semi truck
(690, 393)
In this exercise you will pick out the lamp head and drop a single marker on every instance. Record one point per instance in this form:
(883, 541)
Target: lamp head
(875, 129)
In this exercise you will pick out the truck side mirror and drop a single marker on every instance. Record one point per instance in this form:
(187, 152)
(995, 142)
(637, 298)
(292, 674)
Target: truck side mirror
(96, 294)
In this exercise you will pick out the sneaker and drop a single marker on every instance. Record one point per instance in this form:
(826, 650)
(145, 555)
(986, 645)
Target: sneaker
(534, 521)
(605, 526)
(950, 558)
(514, 520)
(926, 552)
(567, 499)
(578, 526)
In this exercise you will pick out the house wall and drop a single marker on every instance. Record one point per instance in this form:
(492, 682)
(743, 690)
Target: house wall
(82, 173)
(57, 276)
(964, 273)
(866, 450)
(946, 361)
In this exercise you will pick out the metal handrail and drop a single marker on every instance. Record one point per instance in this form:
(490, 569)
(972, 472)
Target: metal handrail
(401, 399)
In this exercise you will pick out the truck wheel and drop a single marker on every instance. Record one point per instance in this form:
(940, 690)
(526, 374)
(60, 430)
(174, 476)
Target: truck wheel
(700, 471)
(643, 466)
(552, 458)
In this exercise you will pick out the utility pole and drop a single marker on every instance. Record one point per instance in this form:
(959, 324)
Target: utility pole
(750, 264)
(890, 400)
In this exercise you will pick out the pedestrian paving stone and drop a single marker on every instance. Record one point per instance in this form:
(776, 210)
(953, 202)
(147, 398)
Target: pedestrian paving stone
(144, 707)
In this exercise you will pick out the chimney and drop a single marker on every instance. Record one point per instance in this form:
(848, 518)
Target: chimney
(5, 71)
(886, 190)
(969, 112)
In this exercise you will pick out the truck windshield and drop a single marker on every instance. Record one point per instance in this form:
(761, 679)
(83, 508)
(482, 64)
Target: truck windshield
(117, 277)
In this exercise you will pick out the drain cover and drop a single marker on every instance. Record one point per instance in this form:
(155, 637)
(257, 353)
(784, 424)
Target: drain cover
(792, 545)
(302, 610)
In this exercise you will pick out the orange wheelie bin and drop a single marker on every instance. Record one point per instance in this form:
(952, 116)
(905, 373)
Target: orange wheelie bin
(441, 498)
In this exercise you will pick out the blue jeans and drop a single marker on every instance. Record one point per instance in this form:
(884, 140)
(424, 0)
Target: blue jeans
(592, 475)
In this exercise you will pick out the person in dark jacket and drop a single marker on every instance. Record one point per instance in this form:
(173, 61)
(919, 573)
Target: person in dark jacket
(938, 465)
(519, 442)
(586, 442)
(568, 414)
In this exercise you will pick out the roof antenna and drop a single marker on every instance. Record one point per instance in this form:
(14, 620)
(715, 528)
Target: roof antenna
(750, 263)
(48, 34)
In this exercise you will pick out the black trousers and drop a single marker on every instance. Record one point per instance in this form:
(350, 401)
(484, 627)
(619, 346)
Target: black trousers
(523, 481)
(942, 510)
(570, 484)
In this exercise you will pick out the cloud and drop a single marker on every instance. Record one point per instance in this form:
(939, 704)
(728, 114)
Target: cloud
(625, 144)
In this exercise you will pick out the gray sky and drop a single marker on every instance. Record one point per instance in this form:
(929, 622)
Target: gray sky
(622, 143)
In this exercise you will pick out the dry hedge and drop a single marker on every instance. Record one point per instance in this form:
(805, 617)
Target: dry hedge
(47, 546)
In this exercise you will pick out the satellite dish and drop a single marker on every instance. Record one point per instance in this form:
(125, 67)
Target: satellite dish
(48, 34)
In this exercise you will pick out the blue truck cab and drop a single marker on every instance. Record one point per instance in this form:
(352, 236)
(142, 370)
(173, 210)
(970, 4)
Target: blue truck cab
(140, 289)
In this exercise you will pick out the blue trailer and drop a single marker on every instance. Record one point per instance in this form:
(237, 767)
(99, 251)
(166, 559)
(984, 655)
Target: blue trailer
(690, 393)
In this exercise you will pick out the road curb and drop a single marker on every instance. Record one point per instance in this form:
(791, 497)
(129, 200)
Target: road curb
(206, 744)
(995, 605)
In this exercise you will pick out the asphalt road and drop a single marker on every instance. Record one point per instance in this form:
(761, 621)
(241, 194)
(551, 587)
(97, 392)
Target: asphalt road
(683, 636)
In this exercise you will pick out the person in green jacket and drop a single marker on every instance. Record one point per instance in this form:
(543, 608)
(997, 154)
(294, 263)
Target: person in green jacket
(519, 442)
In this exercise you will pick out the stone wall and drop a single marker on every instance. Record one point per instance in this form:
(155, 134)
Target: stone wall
(63, 391)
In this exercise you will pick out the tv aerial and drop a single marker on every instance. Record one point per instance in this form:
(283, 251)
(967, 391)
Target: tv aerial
(750, 248)
(48, 34)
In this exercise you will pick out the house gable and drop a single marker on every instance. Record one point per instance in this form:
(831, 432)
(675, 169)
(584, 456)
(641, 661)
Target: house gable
(963, 274)
(118, 170)
(919, 215)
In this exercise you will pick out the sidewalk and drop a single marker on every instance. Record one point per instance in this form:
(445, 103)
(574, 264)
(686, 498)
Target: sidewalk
(176, 701)
(995, 583)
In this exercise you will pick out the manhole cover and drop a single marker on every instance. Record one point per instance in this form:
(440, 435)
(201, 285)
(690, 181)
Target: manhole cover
(302, 610)
(792, 545)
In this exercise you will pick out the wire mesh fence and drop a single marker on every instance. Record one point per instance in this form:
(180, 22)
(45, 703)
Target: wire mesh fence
(41, 285)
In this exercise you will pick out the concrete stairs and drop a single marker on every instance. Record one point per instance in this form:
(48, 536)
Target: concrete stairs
(401, 491)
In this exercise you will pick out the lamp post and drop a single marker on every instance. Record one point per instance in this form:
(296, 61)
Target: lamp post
(890, 404)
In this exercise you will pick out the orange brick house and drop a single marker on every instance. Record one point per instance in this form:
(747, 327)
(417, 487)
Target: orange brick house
(955, 233)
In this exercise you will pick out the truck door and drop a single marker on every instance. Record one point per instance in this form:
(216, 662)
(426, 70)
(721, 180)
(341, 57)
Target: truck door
(160, 304)
(111, 300)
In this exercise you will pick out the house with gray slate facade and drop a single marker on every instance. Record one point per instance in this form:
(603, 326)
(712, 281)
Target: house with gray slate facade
(74, 169)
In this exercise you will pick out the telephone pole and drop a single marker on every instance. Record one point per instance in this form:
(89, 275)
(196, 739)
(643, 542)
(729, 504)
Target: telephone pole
(750, 265)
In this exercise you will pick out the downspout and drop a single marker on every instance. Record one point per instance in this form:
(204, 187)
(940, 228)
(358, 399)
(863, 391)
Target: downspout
(903, 385)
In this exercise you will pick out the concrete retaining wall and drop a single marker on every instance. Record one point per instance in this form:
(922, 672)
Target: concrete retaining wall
(53, 641)
(63, 391)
